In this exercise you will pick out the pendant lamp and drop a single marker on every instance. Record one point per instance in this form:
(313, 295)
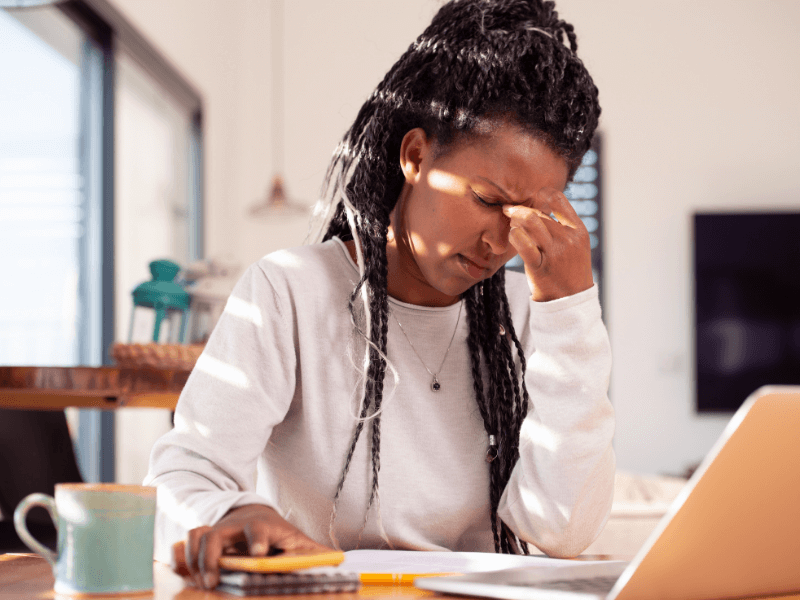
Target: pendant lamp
(277, 200)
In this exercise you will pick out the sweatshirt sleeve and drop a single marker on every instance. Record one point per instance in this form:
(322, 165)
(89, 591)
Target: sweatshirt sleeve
(560, 491)
(240, 388)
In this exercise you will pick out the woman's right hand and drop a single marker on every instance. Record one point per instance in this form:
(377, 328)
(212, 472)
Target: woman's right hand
(253, 528)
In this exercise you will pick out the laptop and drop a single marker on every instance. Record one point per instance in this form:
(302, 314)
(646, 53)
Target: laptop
(733, 532)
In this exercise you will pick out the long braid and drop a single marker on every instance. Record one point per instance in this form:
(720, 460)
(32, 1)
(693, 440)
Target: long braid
(520, 415)
(371, 229)
(507, 404)
(380, 326)
(478, 60)
(476, 343)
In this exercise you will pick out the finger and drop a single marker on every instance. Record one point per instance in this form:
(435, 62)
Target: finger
(530, 253)
(556, 202)
(532, 220)
(192, 552)
(210, 549)
(179, 559)
(257, 538)
(302, 542)
(287, 537)
(295, 541)
(521, 212)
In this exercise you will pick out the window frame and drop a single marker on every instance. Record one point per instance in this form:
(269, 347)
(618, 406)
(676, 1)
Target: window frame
(112, 33)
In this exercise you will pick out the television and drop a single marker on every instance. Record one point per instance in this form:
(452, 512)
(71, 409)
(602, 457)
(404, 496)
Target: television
(746, 305)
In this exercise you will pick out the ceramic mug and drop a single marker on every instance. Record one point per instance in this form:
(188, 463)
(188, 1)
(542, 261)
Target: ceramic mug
(105, 536)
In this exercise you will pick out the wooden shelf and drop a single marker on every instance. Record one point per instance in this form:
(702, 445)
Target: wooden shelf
(108, 388)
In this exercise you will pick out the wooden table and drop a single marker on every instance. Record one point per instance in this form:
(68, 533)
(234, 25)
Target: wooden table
(108, 388)
(29, 577)
(105, 388)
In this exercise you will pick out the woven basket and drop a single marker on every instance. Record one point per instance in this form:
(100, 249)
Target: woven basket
(180, 357)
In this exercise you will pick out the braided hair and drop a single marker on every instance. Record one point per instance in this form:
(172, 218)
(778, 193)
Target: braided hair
(478, 60)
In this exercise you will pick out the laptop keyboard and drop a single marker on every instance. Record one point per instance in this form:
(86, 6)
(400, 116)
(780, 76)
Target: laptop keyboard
(596, 585)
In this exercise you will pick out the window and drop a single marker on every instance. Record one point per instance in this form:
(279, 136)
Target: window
(153, 202)
(100, 171)
(153, 219)
(46, 189)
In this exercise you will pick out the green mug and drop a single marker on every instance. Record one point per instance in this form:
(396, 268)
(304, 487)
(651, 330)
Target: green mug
(105, 536)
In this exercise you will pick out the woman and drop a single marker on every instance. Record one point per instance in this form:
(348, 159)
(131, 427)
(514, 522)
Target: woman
(391, 385)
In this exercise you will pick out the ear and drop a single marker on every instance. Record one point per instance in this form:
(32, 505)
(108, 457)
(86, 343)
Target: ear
(414, 148)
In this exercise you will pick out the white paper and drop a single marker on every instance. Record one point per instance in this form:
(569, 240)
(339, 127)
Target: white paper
(419, 562)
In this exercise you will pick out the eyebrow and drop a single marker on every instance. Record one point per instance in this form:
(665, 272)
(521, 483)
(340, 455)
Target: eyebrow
(501, 190)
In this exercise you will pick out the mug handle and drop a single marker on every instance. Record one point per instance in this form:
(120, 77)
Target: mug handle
(27, 503)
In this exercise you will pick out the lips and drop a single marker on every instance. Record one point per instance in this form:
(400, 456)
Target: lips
(476, 270)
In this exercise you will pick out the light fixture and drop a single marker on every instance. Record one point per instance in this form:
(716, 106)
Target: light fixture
(277, 201)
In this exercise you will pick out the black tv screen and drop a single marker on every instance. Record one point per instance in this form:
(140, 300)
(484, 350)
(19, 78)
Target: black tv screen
(747, 305)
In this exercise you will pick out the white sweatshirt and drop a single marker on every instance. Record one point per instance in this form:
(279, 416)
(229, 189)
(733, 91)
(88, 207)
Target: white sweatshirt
(277, 391)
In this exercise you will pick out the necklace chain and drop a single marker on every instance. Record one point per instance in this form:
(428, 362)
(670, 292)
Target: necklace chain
(435, 385)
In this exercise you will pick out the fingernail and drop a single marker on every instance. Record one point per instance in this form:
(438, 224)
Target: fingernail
(509, 210)
(258, 549)
(208, 581)
(516, 236)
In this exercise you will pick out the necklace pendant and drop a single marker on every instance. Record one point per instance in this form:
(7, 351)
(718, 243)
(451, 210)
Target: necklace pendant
(435, 385)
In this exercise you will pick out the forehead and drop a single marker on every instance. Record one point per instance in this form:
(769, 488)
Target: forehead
(507, 155)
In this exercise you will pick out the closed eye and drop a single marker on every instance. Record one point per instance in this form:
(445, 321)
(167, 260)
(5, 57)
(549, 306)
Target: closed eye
(484, 202)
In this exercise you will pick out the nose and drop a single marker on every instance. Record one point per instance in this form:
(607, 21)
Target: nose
(495, 234)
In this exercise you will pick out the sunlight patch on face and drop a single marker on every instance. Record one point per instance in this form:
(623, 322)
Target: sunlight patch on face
(447, 182)
(417, 243)
(244, 310)
(443, 248)
(222, 371)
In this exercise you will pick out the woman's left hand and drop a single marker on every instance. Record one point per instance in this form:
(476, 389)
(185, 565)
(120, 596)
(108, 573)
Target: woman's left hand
(557, 253)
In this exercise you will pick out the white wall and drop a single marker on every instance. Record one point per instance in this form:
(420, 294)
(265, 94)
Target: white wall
(700, 112)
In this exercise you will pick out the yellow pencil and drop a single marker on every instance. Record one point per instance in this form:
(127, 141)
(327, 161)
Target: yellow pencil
(396, 578)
